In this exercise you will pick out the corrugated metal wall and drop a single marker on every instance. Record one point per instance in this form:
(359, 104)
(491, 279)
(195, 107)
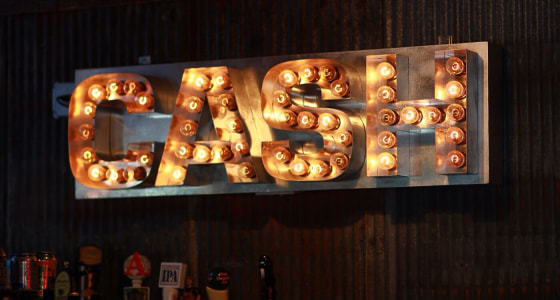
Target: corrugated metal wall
(489, 242)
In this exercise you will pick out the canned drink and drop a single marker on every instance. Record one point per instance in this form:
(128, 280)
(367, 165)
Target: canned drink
(23, 272)
(46, 266)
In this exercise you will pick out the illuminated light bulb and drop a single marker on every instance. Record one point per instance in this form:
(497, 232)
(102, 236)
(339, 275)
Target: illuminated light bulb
(288, 117)
(282, 154)
(328, 121)
(387, 117)
(88, 155)
(145, 99)
(340, 88)
(184, 151)
(456, 112)
(132, 86)
(97, 92)
(115, 175)
(97, 173)
(221, 152)
(194, 104)
(246, 170)
(188, 128)
(455, 159)
(89, 109)
(288, 78)
(455, 66)
(410, 115)
(386, 139)
(386, 161)
(455, 89)
(343, 137)
(115, 86)
(455, 135)
(339, 160)
(282, 98)
(227, 101)
(433, 115)
(178, 174)
(308, 73)
(299, 167)
(234, 124)
(386, 94)
(306, 119)
(328, 72)
(202, 82)
(145, 158)
(386, 70)
(86, 132)
(240, 147)
(202, 153)
(319, 168)
(131, 173)
(222, 80)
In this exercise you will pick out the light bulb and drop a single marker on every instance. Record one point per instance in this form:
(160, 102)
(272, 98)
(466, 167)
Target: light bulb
(246, 170)
(455, 66)
(194, 104)
(387, 117)
(132, 86)
(433, 115)
(386, 139)
(339, 160)
(455, 89)
(455, 135)
(202, 153)
(144, 158)
(343, 138)
(328, 72)
(97, 92)
(131, 173)
(281, 98)
(455, 159)
(288, 78)
(340, 88)
(456, 112)
(115, 87)
(145, 99)
(221, 153)
(328, 121)
(288, 117)
(178, 174)
(86, 132)
(115, 175)
(319, 168)
(188, 128)
(234, 124)
(386, 70)
(222, 80)
(89, 109)
(184, 151)
(410, 115)
(240, 147)
(306, 119)
(227, 101)
(88, 155)
(299, 167)
(386, 94)
(282, 154)
(202, 82)
(97, 173)
(308, 73)
(387, 161)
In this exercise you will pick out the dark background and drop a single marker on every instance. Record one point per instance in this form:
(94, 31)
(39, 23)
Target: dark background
(485, 241)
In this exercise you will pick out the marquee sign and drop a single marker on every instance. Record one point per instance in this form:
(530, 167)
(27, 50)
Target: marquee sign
(361, 119)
